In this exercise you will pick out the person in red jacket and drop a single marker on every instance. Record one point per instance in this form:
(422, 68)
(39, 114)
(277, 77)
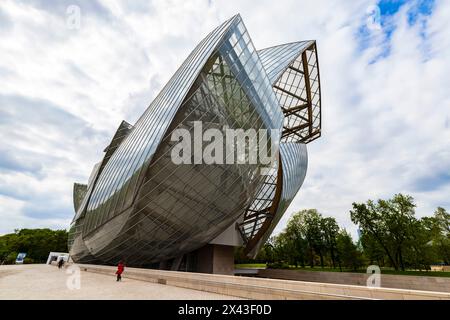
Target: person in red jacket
(120, 268)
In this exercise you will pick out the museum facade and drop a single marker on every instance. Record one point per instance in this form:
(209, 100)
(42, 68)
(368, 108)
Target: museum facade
(144, 208)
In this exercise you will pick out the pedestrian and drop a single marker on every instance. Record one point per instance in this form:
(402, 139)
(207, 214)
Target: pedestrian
(120, 268)
(60, 263)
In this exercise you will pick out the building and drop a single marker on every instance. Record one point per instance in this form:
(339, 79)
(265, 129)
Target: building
(142, 207)
(56, 256)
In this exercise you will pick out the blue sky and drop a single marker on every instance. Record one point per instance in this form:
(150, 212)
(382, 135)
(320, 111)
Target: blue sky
(385, 13)
(384, 91)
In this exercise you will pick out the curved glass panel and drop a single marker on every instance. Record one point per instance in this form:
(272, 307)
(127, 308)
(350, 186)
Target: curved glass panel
(294, 161)
(278, 58)
(79, 192)
(116, 185)
(294, 72)
(143, 207)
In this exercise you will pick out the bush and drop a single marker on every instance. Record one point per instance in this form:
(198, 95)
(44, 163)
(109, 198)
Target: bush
(278, 265)
(28, 261)
(36, 243)
(11, 258)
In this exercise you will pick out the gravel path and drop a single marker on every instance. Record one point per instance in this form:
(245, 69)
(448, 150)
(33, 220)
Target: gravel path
(48, 283)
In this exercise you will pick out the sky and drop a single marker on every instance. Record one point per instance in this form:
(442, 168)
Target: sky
(65, 88)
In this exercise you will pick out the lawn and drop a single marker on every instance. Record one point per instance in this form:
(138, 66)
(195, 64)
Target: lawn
(383, 270)
(249, 265)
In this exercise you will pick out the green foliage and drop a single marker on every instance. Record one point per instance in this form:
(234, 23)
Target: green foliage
(310, 239)
(36, 243)
(348, 253)
(330, 230)
(278, 265)
(28, 261)
(250, 265)
(10, 258)
(437, 230)
(390, 237)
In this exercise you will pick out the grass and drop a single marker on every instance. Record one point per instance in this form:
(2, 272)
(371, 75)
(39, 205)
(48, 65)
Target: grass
(327, 269)
(249, 265)
(417, 273)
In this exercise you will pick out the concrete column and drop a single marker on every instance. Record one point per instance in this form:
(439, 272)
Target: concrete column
(215, 258)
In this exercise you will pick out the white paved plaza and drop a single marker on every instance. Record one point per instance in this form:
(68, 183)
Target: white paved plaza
(48, 282)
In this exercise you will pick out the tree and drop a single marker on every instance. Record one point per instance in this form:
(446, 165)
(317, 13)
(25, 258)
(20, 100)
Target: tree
(37, 243)
(372, 250)
(306, 236)
(442, 218)
(389, 222)
(348, 254)
(330, 231)
(390, 235)
(438, 228)
(269, 251)
(419, 252)
(295, 238)
(371, 223)
(310, 221)
(398, 213)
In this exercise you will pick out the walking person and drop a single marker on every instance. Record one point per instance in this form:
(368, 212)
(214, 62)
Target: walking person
(120, 268)
(60, 263)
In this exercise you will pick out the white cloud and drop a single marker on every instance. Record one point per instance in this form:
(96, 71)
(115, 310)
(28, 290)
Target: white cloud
(385, 124)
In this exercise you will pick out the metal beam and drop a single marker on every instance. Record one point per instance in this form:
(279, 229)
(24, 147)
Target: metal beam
(261, 213)
(308, 90)
(287, 131)
(301, 138)
(290, 93)
(273, 210)
(255, 220)
(288, 111)
(295, 69)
